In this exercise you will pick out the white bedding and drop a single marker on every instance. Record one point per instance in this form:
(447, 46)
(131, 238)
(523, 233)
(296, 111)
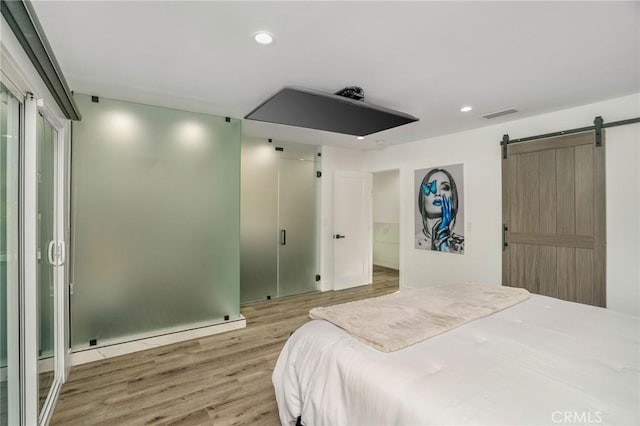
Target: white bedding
(401, 319)
(543, 361)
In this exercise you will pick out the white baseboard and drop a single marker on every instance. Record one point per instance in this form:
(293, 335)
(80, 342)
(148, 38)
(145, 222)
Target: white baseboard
(46, 364)
(90, 355)
(385, 264)
(326, 285)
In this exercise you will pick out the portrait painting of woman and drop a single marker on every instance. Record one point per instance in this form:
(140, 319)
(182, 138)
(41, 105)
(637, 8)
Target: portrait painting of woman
(440, 212)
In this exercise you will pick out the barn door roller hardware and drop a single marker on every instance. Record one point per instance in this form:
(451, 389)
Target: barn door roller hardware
(598, 125)
(504, 143)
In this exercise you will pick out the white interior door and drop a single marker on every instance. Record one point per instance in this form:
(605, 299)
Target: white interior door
(352, 247)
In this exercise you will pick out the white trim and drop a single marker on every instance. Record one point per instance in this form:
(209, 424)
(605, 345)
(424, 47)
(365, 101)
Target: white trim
(11, 77)
(66, 225)
(49, 405)
(57, 364)
(12, 258)
(104, 352)
(13, 273)
(30, 262)
(368, 202)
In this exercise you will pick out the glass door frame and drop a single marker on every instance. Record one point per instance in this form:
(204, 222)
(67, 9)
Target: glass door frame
(32, 109)
(15, 407)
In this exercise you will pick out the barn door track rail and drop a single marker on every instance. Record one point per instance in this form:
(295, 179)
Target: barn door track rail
(598, 125)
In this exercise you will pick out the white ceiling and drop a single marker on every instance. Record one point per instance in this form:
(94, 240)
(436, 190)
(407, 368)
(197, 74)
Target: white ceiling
(424, 58)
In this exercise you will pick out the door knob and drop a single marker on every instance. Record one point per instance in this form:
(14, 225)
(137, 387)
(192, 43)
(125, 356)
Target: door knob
(338, 236)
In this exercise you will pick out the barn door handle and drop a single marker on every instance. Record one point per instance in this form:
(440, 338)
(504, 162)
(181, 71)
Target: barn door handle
(283, 237)
(505, 243)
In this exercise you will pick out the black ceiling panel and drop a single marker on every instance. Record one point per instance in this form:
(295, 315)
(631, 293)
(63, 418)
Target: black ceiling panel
(300, 107)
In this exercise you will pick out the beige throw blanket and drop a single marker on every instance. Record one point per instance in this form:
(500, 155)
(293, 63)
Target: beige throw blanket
(395, 321)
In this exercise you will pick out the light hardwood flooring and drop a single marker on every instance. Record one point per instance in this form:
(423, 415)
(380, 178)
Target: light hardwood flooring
(223, 379)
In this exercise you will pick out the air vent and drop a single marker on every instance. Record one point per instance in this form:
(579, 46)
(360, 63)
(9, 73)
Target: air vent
(500, 113)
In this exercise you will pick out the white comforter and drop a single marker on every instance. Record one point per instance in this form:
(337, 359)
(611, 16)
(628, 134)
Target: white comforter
(543, 361)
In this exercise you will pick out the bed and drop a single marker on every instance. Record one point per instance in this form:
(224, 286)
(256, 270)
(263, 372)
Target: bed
(541, 361)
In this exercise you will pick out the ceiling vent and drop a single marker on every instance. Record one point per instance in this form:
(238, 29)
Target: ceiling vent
(342, 112)
(500, 113)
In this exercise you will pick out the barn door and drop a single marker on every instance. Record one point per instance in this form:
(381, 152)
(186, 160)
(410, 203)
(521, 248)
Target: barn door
(554, 218)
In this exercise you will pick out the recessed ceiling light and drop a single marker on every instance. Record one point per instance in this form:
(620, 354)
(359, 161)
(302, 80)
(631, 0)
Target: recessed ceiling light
(360, 138)
(263, 37)
(465, 109)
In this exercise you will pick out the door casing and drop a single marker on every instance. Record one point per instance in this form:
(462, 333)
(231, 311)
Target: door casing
(352, 206)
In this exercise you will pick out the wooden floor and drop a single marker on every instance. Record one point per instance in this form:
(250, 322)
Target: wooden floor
(223, 379)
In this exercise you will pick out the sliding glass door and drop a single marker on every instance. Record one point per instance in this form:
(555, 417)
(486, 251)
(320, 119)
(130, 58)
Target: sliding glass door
(9, 266)
(32, 162)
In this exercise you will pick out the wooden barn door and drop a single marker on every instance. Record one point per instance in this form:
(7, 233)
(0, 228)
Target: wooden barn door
(553, 203)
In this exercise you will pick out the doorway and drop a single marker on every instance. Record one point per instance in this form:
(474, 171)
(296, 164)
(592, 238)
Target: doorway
(386, 220)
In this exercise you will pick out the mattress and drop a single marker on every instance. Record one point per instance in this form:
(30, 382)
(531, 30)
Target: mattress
(543, 361)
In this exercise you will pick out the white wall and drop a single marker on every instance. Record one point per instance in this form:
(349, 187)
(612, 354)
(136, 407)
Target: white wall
(623, 217)
(333, 159)
(479, 150)
(386, 218)
(386, 208)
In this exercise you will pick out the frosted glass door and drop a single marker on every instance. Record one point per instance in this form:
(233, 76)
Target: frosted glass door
(259, 235)
(47, 140)
(155, 221)
(279, 215)
(297, 226)
(9, 299)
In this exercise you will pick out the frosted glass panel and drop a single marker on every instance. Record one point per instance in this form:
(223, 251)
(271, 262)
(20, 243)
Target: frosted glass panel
(156, 220)
(297, 225)
(46, 139)
(259, 256)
